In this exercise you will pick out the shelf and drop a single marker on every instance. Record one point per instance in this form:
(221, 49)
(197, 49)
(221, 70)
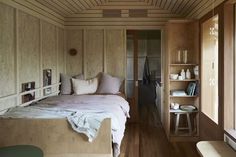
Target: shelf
(185, 80)
(187, 96)
(182, 111)
(188, 64)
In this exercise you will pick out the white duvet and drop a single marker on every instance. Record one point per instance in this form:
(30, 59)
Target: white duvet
(85, 113)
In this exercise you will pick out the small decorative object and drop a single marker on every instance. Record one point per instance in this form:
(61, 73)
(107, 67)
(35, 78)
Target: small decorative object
(72, 52)
(196, 71)
(47, 77)
(179, 56)
(180, 78)
(174, 106)
(188, 74)
(185, 56)
(182, 74)
(47, 81)
(47, 91)
(174, 76)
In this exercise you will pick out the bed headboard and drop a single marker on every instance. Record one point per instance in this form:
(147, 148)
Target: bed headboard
(17, 99)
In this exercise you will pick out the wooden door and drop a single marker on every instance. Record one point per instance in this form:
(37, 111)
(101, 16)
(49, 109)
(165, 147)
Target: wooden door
(132, 74)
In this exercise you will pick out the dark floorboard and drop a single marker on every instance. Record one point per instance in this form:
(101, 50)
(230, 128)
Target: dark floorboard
(147, 138)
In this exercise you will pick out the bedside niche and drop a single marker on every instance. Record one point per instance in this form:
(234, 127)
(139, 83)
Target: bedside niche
(28, 92)
(47, 81)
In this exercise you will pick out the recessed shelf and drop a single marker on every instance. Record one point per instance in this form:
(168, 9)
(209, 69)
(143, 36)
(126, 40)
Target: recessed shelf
(185, 80)
(188, 64)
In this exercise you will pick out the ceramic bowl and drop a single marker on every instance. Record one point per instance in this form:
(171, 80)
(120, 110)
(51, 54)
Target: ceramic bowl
(174, 76)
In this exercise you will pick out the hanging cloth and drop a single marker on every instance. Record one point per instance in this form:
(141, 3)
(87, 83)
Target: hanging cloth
(146, 72)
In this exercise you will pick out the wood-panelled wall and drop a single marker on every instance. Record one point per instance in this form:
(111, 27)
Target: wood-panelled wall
(27, 46)
(104, 50)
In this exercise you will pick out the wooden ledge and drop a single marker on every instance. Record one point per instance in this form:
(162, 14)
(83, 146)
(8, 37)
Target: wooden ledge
(215, 149)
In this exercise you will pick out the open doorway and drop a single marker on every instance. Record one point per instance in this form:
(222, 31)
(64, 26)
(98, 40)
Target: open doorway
(143, 85)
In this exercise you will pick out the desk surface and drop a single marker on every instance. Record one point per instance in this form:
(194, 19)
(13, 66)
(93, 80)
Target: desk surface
(215, 149)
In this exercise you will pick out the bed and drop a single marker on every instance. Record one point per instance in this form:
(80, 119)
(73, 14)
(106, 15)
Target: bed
(45, 125)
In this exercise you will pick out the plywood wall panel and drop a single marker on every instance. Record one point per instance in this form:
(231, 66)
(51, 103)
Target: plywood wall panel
(115, 52)
(93, 52)
(7, 51)
(61, 52)
(49, 49)
(27, 45)
(180, 40)
(28, 49)
(74, 64)
(5, 104)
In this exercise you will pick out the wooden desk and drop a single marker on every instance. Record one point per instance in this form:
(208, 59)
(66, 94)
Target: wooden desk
(215, 149)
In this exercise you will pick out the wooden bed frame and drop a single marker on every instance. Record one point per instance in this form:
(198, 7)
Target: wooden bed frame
(56, 137)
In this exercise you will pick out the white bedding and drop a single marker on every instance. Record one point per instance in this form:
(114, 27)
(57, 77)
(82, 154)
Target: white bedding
(85, 113)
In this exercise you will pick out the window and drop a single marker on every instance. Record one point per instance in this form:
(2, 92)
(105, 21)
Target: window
(210, 68)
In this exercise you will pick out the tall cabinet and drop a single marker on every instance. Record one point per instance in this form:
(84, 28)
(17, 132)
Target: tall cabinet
(182, 125)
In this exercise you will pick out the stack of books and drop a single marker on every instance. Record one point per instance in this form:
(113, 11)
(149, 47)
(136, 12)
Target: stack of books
(192, 89)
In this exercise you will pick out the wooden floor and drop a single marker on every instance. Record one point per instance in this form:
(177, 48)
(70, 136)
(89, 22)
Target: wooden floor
(147, 139)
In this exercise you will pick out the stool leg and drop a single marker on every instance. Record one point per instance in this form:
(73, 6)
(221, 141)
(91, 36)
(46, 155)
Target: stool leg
(189, 124)
(177, 123)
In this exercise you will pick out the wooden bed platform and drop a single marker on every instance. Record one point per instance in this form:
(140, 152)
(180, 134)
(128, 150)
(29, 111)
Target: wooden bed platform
(56, 137)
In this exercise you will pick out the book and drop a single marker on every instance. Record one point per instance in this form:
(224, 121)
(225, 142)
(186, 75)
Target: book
(191, 88)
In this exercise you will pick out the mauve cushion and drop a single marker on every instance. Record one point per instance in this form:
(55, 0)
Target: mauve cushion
(66, 84)
(109, 84)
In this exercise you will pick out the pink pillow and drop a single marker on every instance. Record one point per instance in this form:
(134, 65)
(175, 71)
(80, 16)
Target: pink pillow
(109, 84)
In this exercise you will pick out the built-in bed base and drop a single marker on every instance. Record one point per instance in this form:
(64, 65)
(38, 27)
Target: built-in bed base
(55, 137)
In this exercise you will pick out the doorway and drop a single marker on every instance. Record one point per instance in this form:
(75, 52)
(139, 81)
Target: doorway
(144, 62)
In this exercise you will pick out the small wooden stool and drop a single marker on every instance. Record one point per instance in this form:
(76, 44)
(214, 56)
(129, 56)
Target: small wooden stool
(177, 116)
(189, 125)
(21, 151)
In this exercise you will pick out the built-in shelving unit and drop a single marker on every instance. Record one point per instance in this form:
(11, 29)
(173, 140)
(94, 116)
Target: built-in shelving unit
(182, 126)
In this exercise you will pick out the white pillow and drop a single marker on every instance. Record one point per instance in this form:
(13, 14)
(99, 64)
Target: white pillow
(85, 86)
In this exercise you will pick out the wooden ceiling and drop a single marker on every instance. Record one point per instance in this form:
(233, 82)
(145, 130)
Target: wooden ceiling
(183, 8)
(86, 13)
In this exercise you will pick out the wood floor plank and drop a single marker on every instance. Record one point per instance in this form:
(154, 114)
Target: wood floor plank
(148, 139)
